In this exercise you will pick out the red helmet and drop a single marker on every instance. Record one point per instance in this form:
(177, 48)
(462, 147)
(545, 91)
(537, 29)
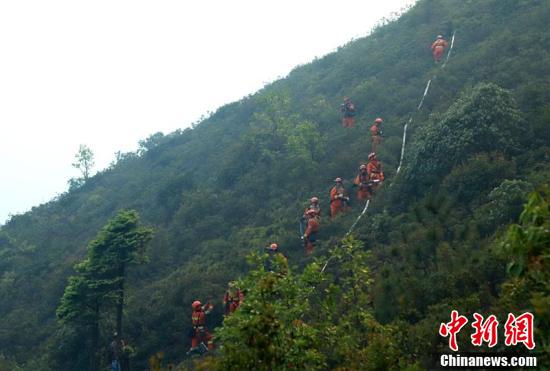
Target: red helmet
(338, 180)
(378, 120)
(439, 36)
(196, 305)
(273, 246)
(372, 155)
(314, 200)
(362, 167)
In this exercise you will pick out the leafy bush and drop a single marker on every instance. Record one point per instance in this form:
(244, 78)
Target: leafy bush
(483, 119)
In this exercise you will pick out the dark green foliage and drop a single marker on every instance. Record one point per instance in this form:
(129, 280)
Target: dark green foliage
(266, 333)
(478, 173)
(527, 246)
(481, 120)
(310, 321)
(528, 243)
(119, 243)
(240, 179)
(99, 284)
(504, 206)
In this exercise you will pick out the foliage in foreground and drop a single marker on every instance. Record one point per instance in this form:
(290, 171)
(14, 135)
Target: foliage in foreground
(241, 176)
(527, 246)
(312, 320)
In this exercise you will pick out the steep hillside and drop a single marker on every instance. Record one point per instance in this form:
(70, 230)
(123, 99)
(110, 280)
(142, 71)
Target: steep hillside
(240, 179)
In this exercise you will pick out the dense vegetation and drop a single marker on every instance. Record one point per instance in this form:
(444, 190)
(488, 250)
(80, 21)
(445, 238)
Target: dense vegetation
(240, 179)
(100, 285)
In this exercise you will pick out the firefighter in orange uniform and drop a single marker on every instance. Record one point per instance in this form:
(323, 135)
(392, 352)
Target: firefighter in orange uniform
(374, 169)
(376, 134)
(362, 181)
(339, 200)
(232, 299)
(438, 48)
(310, 235)
(313, 205)
(199, 331)
(348, 110)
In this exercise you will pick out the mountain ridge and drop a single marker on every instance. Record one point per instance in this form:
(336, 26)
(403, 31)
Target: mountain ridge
(190, 183)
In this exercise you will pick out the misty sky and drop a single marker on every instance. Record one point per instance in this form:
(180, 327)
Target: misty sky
(109, 73)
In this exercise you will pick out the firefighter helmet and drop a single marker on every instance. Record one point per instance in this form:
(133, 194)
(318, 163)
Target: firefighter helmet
(196, 304)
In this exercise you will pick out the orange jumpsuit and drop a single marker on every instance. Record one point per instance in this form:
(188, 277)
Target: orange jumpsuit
(311, 234)
(438, 48)
(315, 207)
(231, 300)
(365, 189)
(198, 320)
(374, 169)
(376, 137)
(336, 203)
(348, 121)
(348, 109)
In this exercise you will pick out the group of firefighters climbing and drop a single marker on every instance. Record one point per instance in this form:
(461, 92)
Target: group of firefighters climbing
(201, 339)
(368, 180)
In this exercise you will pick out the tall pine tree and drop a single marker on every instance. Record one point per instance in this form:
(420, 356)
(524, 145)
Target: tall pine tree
(99, 284)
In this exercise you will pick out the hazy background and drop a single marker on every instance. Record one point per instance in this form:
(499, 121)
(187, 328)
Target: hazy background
(109, 73)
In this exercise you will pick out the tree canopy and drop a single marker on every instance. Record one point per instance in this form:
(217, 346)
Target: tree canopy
(240, 179)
